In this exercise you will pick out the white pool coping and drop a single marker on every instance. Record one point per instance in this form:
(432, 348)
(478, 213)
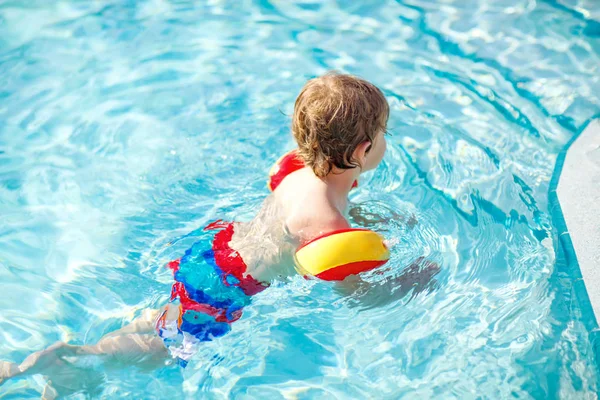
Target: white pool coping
(579, 196)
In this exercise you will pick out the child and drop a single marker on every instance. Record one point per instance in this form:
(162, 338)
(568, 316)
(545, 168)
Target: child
(339, 124)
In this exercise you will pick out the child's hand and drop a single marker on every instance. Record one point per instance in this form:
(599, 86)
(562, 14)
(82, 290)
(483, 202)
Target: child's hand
(391, 242)
(364, 218)
(418, 277)
(372, 213)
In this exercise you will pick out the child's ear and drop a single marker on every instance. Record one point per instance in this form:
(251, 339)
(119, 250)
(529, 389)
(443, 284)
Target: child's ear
(361, 152)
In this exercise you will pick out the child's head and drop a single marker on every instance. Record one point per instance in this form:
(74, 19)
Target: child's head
(339, 121)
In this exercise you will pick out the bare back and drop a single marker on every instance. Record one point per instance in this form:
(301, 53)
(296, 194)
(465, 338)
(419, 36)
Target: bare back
(297, 211)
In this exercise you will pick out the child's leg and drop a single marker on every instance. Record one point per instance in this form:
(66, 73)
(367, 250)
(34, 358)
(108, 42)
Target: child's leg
(8, 370)
(145, 323)
(134, 344)
(140, 349)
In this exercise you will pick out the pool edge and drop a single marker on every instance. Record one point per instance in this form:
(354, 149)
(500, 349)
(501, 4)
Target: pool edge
(565, 248)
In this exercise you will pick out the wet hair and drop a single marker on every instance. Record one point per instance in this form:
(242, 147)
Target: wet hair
(333, 115)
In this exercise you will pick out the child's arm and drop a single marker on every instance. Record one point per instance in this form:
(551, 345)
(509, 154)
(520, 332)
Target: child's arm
(321, 222)
(367, 215)
(418, 277)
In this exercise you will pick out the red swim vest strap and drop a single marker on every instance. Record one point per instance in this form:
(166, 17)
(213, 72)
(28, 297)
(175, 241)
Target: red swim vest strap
(287, 164)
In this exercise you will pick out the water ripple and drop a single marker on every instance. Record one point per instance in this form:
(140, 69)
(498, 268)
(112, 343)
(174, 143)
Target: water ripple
(128, 126)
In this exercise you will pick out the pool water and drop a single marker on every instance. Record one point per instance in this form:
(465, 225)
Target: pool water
(127, 126)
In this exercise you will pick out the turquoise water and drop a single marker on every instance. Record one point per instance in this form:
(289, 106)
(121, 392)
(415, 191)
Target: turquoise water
(125, 126)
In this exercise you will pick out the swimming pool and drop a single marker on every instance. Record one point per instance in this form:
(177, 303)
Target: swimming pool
(126, 126)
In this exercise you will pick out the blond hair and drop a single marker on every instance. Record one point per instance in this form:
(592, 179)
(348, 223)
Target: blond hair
(333, 115)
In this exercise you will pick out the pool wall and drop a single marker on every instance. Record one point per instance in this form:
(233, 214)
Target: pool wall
(575, 206)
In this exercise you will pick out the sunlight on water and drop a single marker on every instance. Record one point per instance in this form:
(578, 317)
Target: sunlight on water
(126, 126)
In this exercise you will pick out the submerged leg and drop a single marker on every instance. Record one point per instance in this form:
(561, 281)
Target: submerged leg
(63, 377)
(70, 368)
(142, 350)
(145, 323)
(8, 370)
(49, 393)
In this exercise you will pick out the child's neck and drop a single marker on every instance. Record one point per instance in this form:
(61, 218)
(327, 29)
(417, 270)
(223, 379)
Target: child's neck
(339, 183)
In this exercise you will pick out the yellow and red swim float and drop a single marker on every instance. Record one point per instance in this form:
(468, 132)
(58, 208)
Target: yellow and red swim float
(338, 254)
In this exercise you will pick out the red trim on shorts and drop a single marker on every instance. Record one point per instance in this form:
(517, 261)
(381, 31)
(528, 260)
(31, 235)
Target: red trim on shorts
(174, 265)
(231, 263)
(218, 224)
(220, 315)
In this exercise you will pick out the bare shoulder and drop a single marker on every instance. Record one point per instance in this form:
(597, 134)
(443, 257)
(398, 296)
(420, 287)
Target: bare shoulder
(306, 209)
(314, 218)
(310, 231)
